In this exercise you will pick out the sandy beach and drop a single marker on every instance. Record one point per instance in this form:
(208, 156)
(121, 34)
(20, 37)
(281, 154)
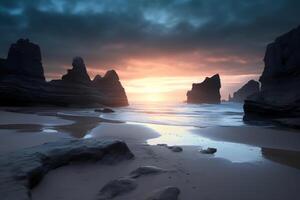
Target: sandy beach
(239, 170)
(149, 100)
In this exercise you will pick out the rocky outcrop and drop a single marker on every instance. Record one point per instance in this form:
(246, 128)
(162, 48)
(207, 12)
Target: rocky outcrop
(2, 65)
(280, 81)
(206, 92)
(22, 82)
(24, 60)
(22, 75)
(78, 74)
(111, 86)
(250, 88)
(110, 81)
(22, 170)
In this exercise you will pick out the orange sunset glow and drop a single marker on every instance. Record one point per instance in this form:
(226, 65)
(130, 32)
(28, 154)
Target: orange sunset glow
(149, 99)
(174, 89)
(158, 52)
(168, 78)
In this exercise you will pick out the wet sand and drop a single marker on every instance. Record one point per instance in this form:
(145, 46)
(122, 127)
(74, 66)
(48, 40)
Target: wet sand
(198, 176)
(255, 135)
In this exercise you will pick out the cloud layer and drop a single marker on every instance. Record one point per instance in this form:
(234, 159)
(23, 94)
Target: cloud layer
(149, 38)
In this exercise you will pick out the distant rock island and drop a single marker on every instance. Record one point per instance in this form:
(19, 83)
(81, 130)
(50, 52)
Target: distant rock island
(280, 81)
(22, 82)
(206, 92)
(250, 88)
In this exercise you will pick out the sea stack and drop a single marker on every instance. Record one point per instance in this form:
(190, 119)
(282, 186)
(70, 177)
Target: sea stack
(280, 81)
(24, 61)
(110, 85)
(78, 73)
(206, 92)
(250, 88)
(22, 82)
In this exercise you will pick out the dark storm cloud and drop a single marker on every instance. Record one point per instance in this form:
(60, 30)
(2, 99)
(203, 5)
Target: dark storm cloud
(109, 32)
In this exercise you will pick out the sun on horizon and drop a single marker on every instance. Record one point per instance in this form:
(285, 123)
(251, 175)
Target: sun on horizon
(174, 88)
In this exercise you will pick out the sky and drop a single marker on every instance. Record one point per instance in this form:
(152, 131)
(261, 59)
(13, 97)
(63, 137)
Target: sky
(158, 47)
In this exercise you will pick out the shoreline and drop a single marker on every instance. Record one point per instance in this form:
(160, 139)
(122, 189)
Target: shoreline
(196, 174)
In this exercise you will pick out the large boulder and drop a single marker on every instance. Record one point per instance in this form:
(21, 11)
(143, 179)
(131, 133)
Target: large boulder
(280, 81)
(22, 170)
(250, 88)
(206, 92)
(24, 60)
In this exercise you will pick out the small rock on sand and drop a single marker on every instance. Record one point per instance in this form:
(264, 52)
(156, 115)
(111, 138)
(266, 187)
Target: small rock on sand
(105, 110)
(146, 170)
(117, 187)
(175, 148)
(162, 145)
(209, 150)
(167, 193)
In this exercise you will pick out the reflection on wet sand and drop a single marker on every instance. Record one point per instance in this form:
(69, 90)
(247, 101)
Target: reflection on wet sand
(79, 128)
(285, 157)
(23, 127)
(172, 135)
(184, 136)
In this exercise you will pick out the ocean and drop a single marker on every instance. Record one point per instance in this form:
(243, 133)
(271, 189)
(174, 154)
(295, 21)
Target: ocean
(180, 114)
(178, 124)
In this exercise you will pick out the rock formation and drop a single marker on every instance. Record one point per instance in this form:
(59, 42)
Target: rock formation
(280, 81)
(206, 92)
(22, 82)
(108, 82)
(24, 60)
(78, 74)
(250, 88)
(20, 171)
(2, 65)
(111, 86)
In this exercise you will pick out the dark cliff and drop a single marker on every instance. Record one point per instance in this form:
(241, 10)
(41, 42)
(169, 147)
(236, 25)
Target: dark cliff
(22, 82)
(280, 81)
(24, 60)
(206, 92)
(250, 88)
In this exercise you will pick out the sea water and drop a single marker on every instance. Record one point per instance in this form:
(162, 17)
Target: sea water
(176, 123)
(181, 114)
